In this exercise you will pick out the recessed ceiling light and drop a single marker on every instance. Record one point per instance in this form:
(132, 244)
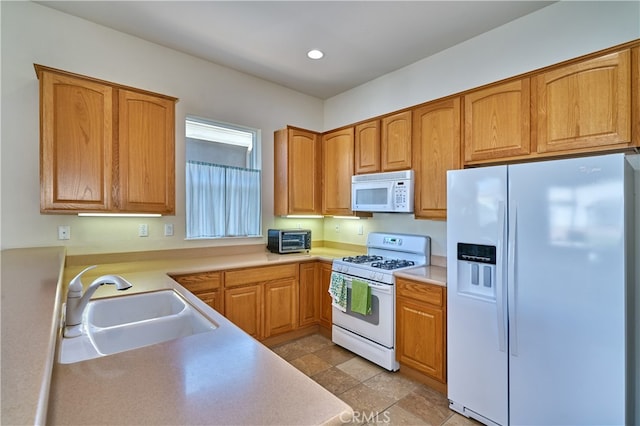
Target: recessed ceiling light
(315, 54)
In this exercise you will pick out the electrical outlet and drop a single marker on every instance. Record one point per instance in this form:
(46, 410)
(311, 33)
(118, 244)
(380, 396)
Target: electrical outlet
(168, 229)
(337, 228)
(143, 230)
(64, 232)
(360, 229)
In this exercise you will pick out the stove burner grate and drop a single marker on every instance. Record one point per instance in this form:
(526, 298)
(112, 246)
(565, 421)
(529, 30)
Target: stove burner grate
(362, 259)
(393, 264)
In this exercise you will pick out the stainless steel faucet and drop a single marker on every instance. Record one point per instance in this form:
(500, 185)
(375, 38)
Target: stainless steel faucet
(77, 302)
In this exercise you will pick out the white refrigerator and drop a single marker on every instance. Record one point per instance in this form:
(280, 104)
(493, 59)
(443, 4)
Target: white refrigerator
(540, 292)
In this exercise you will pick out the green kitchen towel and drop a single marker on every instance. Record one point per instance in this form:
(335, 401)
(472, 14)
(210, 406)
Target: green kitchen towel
(360, 297)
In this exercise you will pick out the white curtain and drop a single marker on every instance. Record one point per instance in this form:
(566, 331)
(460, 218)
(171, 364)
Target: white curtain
(222, 201)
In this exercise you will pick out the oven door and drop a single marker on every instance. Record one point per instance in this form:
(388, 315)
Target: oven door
(379, 325)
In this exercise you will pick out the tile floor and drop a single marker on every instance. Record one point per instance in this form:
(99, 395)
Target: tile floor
(376, 395)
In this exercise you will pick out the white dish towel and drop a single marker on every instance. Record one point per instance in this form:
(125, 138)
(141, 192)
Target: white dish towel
(338, 291)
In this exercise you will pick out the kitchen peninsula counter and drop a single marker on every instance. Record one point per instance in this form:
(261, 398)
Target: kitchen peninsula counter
(220, 377)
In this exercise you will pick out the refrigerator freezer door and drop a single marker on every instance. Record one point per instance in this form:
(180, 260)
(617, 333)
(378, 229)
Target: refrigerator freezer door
(567, 292)
(477, 357)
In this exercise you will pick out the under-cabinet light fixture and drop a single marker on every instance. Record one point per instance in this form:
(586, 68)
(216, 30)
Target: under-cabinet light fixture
(346, 217)
(120, 214)
(304, 216)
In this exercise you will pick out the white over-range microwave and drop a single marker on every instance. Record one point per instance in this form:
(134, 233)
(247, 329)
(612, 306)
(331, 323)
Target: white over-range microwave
(383, 192)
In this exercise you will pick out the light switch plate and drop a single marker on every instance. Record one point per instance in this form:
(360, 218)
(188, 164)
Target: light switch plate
(168, 229)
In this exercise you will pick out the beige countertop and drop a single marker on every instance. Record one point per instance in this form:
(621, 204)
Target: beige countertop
(432, 274)
(221, 377)
(29, 304)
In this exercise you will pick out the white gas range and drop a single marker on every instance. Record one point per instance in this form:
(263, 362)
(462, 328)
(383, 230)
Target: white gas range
(372, 336)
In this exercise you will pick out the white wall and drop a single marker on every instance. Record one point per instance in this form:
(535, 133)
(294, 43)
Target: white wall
(562, 31)
(558, 32)
(31, 33)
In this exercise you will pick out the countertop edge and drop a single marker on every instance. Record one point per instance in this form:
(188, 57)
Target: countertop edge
(431, 274)
(43, 398)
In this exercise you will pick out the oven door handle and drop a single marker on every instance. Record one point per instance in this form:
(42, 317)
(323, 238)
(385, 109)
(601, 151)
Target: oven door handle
(383, 288)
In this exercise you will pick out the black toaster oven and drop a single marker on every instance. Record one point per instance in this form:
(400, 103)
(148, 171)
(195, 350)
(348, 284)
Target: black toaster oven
(288, 240)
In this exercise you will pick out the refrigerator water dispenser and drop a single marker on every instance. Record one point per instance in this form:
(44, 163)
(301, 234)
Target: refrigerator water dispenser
(477, 270)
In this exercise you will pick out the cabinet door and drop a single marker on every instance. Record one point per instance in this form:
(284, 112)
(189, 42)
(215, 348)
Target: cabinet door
(297, 178)
(497, 122)
(420, 337)
(395, 146)
(212, 298)
(281, 306)
(205, 286)
(436, 149)
(243, 307)
(337, 159)
(146, 153)
(309, 294)
(75, 143)
(584, 105)
(367, 147)
(326, 314)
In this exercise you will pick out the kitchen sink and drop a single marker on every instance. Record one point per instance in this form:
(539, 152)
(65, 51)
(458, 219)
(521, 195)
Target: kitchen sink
(124, 323)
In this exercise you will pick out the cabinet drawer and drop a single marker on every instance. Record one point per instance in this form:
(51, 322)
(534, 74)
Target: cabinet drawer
(195, 283)
(256, 275)
(428, 293)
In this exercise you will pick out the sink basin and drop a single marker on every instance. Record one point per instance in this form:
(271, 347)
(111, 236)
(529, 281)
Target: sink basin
(128, 322)
(134, 308)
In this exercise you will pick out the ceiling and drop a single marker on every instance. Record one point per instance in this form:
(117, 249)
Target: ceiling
(362, 40)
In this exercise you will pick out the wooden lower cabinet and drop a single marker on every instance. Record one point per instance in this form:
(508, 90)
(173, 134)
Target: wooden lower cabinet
(280, 307)
(421, 327)
(262, 301)
(205, 285)
(309, 300)
(326, 316)
(267, 301)
(243, 307)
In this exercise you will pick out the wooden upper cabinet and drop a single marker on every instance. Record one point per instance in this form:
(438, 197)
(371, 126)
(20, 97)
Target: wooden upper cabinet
(104, 147)
(436, 149)
(76, 143)
(146, 153)
(497, 122)
(297, 174)
(367, 147)
(584, 105)
(395, 146)
(337, 160)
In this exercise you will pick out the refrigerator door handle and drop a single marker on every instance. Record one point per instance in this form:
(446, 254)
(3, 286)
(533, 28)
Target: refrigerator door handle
(500, 279)
(511, 279)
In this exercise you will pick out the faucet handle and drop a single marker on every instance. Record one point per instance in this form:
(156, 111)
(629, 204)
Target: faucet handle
(75, 285)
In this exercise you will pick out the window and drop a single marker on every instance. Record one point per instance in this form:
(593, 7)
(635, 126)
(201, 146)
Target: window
(223, 180)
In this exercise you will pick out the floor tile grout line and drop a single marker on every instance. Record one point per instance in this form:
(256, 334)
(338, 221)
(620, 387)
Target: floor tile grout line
(303, 351)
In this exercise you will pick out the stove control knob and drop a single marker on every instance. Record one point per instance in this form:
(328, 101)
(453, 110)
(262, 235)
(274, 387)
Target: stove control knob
(379, 277)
